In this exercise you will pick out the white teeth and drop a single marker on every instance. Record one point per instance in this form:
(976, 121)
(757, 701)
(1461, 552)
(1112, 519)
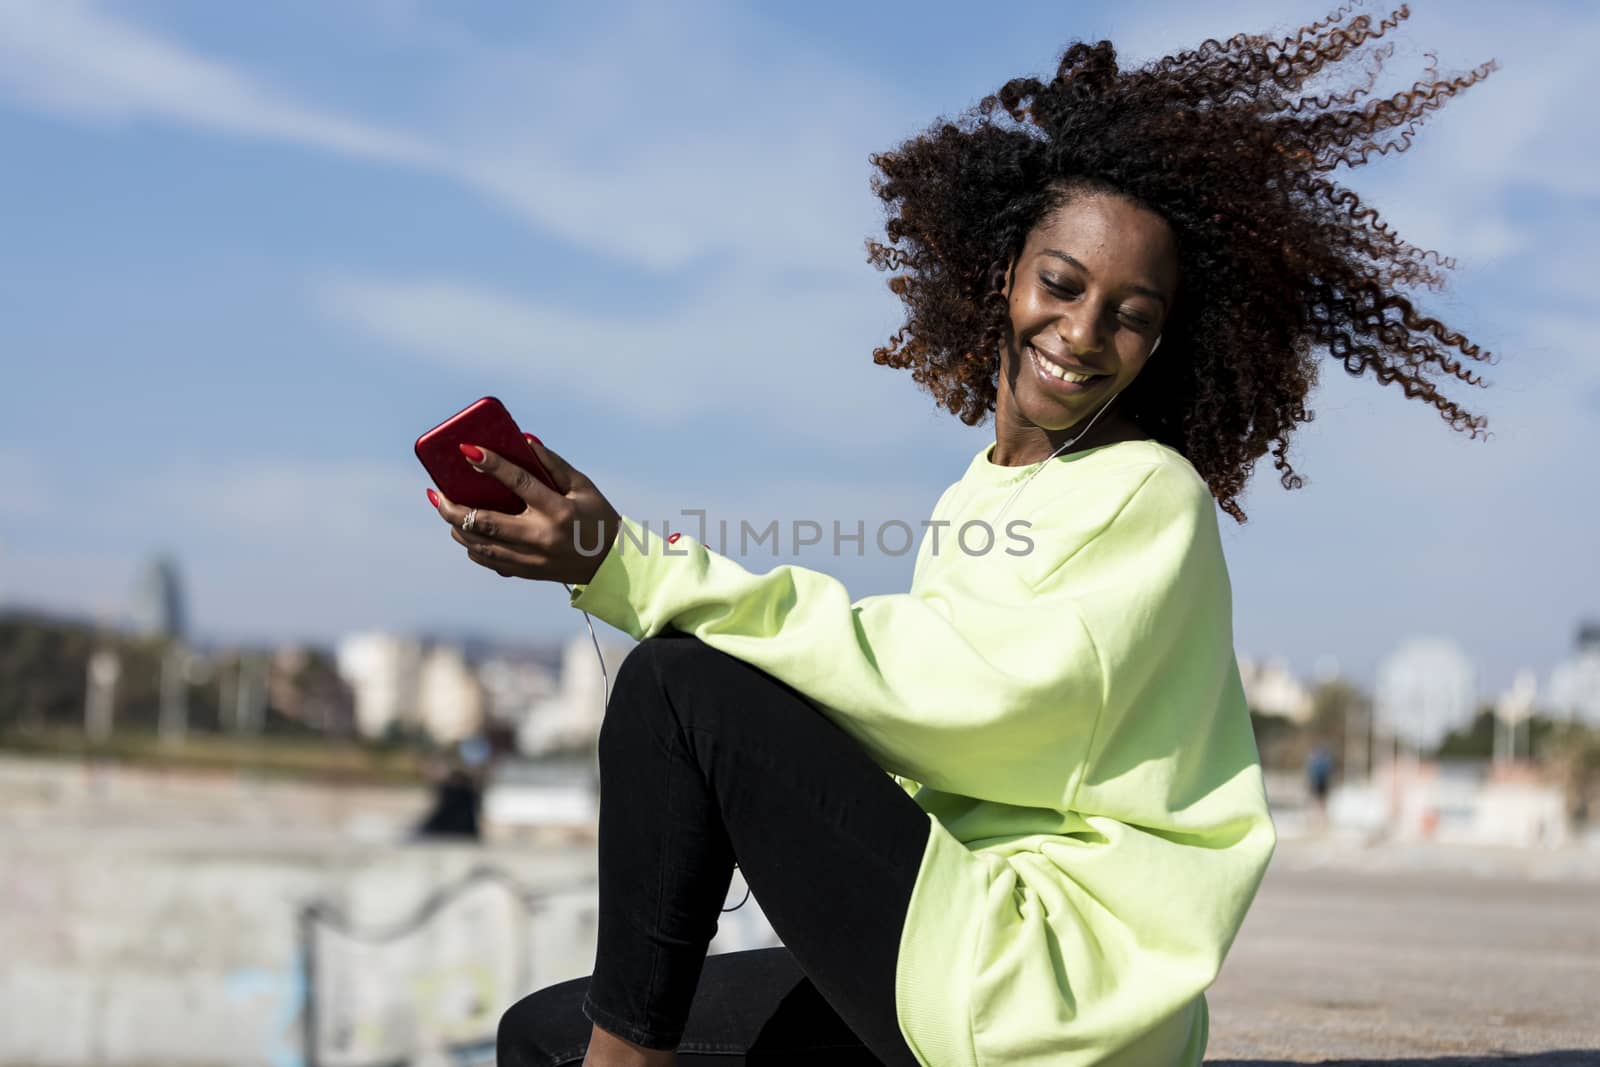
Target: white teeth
(1060, 372)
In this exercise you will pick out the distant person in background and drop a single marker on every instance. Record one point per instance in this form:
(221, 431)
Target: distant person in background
(1319, 776)
(1085, 824)
(458, 783)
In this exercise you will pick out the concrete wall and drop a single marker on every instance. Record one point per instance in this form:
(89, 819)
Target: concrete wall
(152, 919)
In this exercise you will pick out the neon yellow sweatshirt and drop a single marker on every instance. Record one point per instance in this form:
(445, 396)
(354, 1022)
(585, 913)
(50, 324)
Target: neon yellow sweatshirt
(1070, 717)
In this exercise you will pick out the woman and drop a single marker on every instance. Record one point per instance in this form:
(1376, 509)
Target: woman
(1072, 823)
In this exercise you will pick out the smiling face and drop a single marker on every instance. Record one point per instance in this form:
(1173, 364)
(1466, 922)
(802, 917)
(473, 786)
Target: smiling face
(1089, 294)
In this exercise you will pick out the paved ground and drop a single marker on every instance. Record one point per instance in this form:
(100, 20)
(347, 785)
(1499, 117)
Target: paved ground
(1403, 958)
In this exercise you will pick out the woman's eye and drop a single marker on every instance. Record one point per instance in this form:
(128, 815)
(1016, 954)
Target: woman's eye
(1063, 289)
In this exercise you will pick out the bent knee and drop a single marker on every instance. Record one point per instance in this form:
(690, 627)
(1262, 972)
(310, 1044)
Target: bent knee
(669, 683)
(545, 1029)
(663, 661)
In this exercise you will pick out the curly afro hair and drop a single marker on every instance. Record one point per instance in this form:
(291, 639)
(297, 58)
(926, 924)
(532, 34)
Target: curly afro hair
(1275, 257)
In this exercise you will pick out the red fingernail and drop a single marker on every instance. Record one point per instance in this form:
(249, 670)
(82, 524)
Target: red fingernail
(473, 453)
(674, 538)
(532, 438)
(433, 498)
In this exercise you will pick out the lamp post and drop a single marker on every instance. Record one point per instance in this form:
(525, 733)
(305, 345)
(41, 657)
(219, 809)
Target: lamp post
(1514, 707)
(100, 702)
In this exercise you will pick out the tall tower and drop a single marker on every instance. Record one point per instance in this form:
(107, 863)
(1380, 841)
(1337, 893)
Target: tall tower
(1589, 636)
(158, 600)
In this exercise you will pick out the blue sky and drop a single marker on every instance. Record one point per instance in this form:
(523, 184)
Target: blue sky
(249, 251)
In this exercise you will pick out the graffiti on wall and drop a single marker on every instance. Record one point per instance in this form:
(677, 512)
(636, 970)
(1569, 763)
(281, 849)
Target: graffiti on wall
(432, 988)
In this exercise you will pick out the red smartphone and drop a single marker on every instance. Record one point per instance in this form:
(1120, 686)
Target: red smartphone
(485, 422)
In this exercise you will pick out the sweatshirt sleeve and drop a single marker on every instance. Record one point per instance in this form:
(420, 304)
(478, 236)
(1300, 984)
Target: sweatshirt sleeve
(957, 686)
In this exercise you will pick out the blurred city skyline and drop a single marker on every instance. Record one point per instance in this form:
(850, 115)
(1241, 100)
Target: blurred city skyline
(1429, 695)
(253, 252)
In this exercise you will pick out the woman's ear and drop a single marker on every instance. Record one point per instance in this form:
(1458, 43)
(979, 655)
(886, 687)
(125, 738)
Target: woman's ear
(1007, 276)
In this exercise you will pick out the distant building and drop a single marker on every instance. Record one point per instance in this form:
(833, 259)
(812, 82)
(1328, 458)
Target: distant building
(1271, 688)
(1426, 689)
(445, 689)
(516, 686)
(383, 671)
(536, 794)
(1462, 802)
(301, 687)
(1575, 683)
(584, 685)
(570, 717)
(158, 607)
(451, 702)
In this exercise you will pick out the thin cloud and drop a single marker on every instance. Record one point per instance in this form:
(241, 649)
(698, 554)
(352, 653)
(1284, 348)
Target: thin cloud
(653, 168)
(68, 58)
(739, 335)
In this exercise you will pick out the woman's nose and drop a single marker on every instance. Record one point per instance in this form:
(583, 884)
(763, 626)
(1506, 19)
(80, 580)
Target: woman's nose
(1079, 329)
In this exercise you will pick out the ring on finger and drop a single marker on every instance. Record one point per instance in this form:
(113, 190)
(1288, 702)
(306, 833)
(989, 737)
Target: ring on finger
(468, 522)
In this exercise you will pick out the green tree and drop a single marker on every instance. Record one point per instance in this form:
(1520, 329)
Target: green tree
(1572, 752)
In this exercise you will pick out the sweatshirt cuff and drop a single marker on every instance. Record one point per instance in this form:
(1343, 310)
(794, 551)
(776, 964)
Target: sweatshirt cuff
(619, 592)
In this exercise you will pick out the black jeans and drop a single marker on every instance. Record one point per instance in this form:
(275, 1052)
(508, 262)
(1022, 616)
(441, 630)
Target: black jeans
(706, 761)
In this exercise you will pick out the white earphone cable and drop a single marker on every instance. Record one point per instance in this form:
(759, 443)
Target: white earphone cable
(1040, 465)
(605, 676)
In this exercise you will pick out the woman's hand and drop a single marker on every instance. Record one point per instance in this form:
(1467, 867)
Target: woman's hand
(543, 541)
